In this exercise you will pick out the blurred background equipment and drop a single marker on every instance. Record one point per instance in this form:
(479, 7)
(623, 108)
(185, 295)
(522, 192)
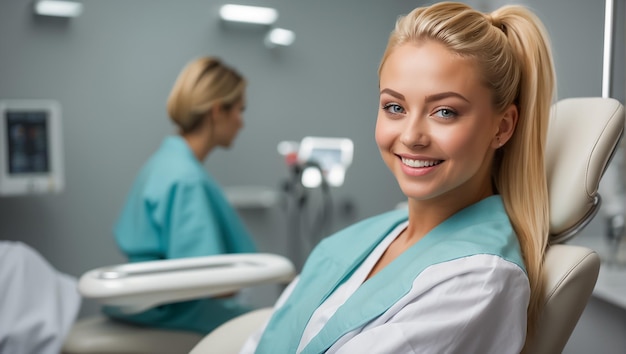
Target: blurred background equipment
(31, 151)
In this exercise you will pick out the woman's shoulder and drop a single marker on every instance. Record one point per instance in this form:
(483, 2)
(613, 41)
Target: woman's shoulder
(164, 172)
(489, 268)
(490, 275)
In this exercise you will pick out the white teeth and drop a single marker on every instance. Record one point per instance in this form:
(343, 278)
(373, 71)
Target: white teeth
(420, 163)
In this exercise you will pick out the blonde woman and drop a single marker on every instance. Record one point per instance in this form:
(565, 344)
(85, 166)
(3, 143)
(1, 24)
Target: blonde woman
(462, 120)
(175, 209)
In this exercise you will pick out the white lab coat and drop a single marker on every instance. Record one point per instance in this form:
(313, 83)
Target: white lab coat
(38, 304)
(473, 304)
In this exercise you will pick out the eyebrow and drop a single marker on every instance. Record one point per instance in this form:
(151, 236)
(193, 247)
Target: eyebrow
(440, 96)
(393, 93)
(430, 98)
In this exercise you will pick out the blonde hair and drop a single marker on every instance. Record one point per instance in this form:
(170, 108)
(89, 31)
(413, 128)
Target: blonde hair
(201, 85)
(512, 50)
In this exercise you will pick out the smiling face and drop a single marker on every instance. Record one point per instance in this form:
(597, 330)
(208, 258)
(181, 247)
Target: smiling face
(436, 127)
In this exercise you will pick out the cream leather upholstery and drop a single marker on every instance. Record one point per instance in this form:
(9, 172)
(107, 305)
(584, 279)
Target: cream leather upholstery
(583, 135)
(569, 276)
(582, 138)
(229, 337)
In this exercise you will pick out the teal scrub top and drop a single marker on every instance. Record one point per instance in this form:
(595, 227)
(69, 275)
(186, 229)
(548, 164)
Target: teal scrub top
(175, 209)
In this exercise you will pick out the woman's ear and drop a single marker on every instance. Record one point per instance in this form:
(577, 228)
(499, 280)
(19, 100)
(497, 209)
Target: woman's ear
(217, 111)
(506, 127)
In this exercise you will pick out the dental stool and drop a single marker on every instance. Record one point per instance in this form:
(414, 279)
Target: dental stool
(583, 135)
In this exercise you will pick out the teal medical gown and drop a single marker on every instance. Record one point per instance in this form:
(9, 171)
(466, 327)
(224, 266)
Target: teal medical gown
(176, 210)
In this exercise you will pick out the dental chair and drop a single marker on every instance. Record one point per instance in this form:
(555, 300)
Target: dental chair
(582, 138)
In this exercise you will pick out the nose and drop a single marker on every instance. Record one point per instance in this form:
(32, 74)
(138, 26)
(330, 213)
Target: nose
(415, 133)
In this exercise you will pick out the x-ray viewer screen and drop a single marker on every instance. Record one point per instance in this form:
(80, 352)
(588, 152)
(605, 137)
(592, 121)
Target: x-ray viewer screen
(27, 138)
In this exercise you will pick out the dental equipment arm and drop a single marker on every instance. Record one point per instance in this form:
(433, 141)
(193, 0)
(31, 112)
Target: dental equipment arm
(136, 287)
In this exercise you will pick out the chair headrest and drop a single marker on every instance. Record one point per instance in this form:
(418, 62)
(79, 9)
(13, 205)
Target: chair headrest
(582, 136)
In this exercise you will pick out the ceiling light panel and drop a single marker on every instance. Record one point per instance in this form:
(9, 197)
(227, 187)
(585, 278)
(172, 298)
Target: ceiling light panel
(58, 8)
(248, 14)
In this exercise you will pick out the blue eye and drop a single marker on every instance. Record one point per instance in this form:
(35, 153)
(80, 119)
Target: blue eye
(446, 113)
(393, 108)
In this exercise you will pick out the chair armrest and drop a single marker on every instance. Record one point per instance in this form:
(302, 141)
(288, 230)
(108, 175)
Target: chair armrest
(135, 287)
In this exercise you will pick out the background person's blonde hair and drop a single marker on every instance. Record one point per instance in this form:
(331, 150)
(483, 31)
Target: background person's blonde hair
(512, 50)
(202, 84)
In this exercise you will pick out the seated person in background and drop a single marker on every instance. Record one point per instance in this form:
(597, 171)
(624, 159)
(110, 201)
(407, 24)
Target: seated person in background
(175, 208)
(38, 304)
(464, 109)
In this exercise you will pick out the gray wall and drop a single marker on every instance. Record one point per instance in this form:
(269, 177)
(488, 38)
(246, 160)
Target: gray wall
(112, 68)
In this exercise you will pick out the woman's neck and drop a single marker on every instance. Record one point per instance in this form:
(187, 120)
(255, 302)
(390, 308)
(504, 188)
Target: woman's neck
(199, 144)
(425, 215)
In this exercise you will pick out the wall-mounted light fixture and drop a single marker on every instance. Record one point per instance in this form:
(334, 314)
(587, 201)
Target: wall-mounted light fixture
(248, 14)
(257, 15)
(279, 37)
(58, 8)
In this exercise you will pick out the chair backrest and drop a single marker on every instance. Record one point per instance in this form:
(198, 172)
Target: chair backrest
(582, 137)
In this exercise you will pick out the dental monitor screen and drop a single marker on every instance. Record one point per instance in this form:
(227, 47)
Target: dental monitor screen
(30, 147)
(27, 142)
